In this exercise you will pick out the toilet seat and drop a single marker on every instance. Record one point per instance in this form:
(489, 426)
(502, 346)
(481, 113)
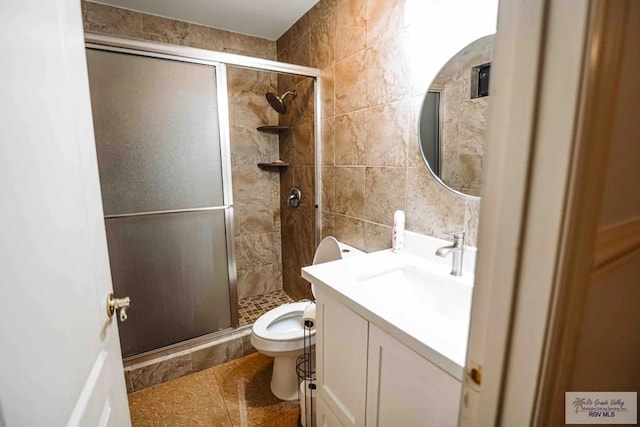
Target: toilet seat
(271, 325)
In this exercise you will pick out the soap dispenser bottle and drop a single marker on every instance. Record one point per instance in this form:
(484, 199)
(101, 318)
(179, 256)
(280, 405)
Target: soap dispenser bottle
(397, 240)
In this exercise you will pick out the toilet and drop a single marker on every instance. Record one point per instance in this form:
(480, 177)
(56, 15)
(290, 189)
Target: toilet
(279, 333)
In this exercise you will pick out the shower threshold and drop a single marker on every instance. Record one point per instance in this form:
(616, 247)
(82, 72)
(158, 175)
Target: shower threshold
(177, 360)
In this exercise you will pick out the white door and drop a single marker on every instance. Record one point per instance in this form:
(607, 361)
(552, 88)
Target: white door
(60, 358)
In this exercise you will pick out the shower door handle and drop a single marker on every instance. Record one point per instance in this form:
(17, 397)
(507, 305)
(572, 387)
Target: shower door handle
(121, 304)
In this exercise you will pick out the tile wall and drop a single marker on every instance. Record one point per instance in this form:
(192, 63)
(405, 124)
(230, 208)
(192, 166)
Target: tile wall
(297, 148)
(372, 93)
(464, 120)
(256, 192)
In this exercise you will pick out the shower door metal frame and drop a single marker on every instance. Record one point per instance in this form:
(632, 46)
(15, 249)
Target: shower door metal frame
(220, 60)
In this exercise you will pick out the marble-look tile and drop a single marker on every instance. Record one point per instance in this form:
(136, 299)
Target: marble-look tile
(256, 217)
(206, 37)
(303, 105)
(388, 71)
(351, 83)
(328, 188)
(160, 372)
(127, 381)
(248, 45)
(296, 287)
(470, 171)
(105, 19)
(298, 231)
(322, 34)
(271, 50)
(385, 192)
(249, 147)
(284, 42)
(305, 236)
(286, 82)
(350, 231)
(274, 281)
(433, 210)
(300, 27)
(303, 143)
(387, 134)
(161, 39)
(384, 18)
(247, 347)
(152, 24)
(194, 400)
(253, 281)
(350, 190)
(286, 150)
(286, 183)
(254, 250)
(328, 224)
(351, 27)
(471, 221)
(376, 237)
(251, 183)
(351, 134)
(450, 169)
(244, 384)
(450, 135)
(328, 142)
(250, 110)
(299, 53)
(217, 354)
(242, 81)
(473, 125)
(327, 78)
(304, 179)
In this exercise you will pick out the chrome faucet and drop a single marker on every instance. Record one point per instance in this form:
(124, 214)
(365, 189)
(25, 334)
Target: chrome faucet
(457, 249)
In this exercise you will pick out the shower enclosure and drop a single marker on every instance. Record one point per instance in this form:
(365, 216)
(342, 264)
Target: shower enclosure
(166, 195)
(162, 127)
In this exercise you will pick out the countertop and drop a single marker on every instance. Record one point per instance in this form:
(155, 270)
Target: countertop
(431, 317)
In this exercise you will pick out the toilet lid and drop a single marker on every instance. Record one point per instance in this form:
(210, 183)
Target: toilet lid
(282, 323)
(328, 250)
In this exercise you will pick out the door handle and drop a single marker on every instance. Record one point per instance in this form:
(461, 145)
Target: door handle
(121, 304)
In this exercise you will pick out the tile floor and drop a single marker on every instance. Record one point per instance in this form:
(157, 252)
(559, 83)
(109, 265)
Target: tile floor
(236, 393)
(249, 309)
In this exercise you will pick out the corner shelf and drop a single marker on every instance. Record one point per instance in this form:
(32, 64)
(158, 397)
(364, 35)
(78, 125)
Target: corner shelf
(273, 129)
(273, 165)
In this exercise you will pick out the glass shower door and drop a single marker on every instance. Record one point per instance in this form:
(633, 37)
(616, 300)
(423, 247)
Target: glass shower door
(160, 162)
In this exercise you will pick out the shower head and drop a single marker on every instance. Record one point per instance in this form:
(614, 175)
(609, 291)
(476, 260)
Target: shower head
(277, 102)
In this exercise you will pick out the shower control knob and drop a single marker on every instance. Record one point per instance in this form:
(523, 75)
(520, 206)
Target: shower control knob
(294, 197)
(121, 304)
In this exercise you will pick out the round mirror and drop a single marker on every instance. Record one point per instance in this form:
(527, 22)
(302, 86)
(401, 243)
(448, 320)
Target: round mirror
(453, 119)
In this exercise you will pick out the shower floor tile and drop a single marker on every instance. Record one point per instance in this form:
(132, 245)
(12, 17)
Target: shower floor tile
(249, 309)
(236, 393)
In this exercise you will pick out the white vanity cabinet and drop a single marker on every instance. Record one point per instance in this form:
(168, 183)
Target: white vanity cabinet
(368, 378)
(341, 363)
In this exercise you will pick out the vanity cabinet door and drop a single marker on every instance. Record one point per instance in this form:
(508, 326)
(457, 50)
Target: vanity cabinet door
(341, 343)
(405, 389)
(326, 417)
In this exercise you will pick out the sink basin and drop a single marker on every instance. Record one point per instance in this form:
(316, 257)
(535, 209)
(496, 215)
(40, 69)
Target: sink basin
(408, 285)
(414, 296)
